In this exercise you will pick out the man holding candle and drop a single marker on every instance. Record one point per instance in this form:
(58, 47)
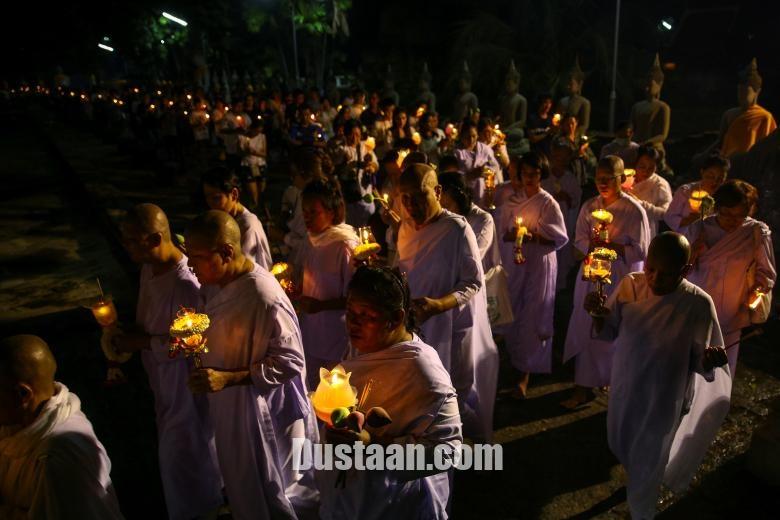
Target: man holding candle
(685, 208)
(628, 234)
(439, 253)
(667, 396)
(253, 374)
(188, 468)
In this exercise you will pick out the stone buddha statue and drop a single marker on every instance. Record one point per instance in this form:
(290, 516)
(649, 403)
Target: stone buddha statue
(426, 96)
(513, 106)
(466, 103)
(389, 90)
(650, 117)
(574, 103)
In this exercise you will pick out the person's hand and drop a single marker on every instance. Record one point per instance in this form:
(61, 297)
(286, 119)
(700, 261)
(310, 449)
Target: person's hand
(594, 302)
(203, 380)
(425, 308)
(309, 305)
(345, 436)
(129, 342)
(714, 357)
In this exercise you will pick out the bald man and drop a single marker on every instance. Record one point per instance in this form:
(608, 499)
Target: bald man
(188, 467)
(253, 375)
(438, 252)
(52, 465)
(667, 394)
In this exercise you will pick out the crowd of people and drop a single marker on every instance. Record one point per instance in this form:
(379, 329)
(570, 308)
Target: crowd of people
(472, 246)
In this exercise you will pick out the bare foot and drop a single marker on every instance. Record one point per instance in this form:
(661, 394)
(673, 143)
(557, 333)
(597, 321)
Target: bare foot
(521, 390)
(579, 397)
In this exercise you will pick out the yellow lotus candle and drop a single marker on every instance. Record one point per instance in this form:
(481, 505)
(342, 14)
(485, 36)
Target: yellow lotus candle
(333, 391)
(597, 269)
(416, 138)
(367, 247)
(370, 143)
(186, 333)
(695, 200)
(521, 231)
(603, 218)
(283, 273)
(490, 188)
(401, 156)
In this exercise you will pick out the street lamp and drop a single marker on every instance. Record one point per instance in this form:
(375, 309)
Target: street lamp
(105, 47)
(174, 19)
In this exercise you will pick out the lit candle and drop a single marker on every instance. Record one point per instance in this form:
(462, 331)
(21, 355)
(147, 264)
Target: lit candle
(186, 333)
(283, 272)
(333, 391)
(556, 119)
(416, 139)
(370, 143)
(695, 200)
(630, 178)
(401, 156)
(755, 298)
(602, 218)
(189, 97)
(520, 232)
(104, 312)
(367, 247)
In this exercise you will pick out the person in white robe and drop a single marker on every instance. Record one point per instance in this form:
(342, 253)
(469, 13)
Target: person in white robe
(473, 158)
(733, 258)
(629, 237)
(221, 190)
(253, 374)
(188, 468)
(650, 189)
(563, 185)
(438, 252)
(668, 392)
(422, 405)
(327, 270)
(529, 337)
(52, 466)
(713, 173)
(359, 156)
(456, 197)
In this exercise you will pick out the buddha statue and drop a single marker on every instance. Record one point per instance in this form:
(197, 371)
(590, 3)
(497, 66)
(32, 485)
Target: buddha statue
(466, 102)
(426, 96)
(389, 90)
(513, 106)
(574, 103)
(650, 117)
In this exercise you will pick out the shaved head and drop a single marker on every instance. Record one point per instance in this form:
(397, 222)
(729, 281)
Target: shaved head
(671, 247)
(419, 175)
(27, 359)
(149, 219)
(215, 228)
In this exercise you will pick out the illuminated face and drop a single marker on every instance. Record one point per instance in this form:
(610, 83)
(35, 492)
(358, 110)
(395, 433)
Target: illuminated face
(730, 219)
(608, 183)
(208, 264)
(315, 216)
(218, 199)
(645, 167)
(368, 326)
(400, 119)
(712, 178)
(420, 201)
(662, 276)
(531, 177)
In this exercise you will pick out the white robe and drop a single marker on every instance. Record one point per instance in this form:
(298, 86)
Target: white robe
(630, 228)
(566, 183)
(440, 259)
(721, 271)
(56, 468)
(529, 337)
(253, 325)
(655, 195)
(484, 228)
(254, 243)
(424, 410)
(680, 207)
(659, 349)
(327, 270)
(188, 466)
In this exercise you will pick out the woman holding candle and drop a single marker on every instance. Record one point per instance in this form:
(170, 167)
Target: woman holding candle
(221, 190)
(327, 269)
(628, 234)
(531, 283)
(410, 382)
(651, 190)
(726, 246)
(473, 157)
(684, 208)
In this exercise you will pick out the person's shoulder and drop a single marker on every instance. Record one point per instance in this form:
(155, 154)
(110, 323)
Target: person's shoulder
(71, 439)
(695, 295)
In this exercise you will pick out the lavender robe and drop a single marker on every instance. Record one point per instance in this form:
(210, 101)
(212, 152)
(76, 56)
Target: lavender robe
(424, 409)
(659, 349)
(630, 228)
(254, 243)
(532, 284)
(188, 467)
(484, 228)
(440, 259)
(679, 207)
(253, 325)
(468, 160)
(721, 271)
(566, 183)
(655, 196)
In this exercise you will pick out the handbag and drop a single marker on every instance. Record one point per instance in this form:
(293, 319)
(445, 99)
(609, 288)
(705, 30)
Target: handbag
(497, 291)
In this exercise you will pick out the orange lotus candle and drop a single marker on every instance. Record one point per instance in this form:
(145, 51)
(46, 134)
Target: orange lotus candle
(333, 391)
(695, 200)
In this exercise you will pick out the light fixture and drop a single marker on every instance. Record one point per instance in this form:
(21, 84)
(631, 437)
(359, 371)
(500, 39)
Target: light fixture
(174, 19)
